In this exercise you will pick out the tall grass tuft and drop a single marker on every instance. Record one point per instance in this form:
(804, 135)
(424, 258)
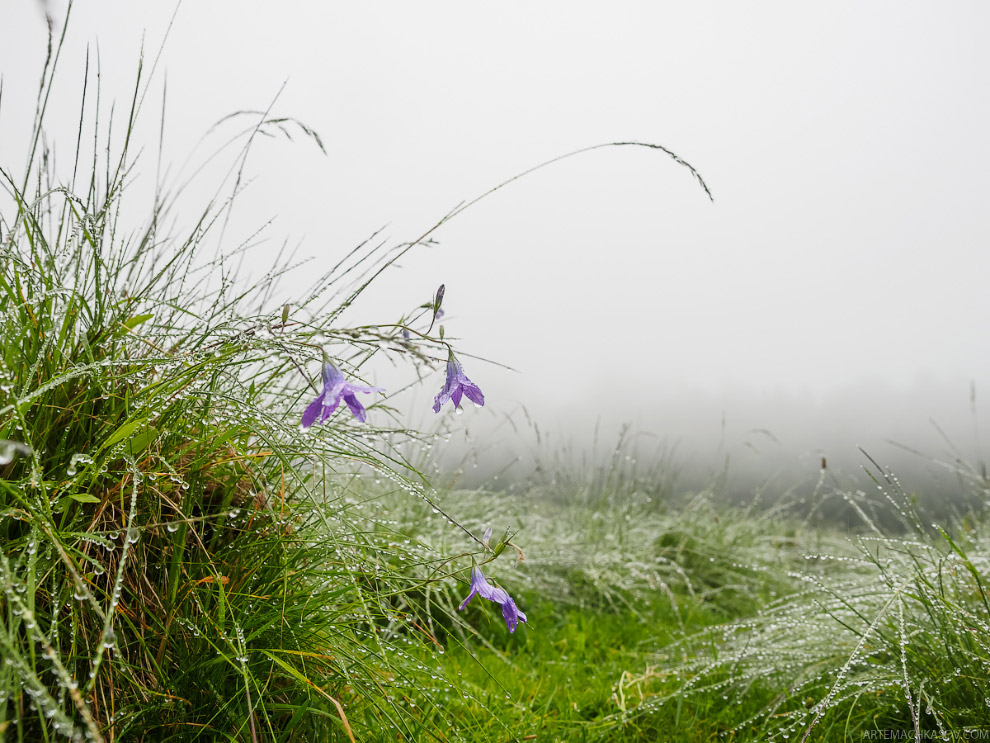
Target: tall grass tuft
(883, 633)
(178, 559)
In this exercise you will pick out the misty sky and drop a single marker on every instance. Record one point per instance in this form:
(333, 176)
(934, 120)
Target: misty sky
(844, 142)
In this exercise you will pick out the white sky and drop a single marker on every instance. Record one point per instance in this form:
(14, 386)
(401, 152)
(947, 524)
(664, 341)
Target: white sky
(845, 143)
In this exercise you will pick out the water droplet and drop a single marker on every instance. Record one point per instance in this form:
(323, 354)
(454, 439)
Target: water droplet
(11, 449)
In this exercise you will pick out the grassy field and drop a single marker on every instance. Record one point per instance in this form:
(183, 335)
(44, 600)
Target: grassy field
(212, 528)
(684, 619)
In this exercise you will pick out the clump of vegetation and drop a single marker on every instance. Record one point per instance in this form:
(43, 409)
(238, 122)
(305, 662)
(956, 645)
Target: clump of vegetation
(180, 559)
(191, 548)
(888, 633)
(702, 620)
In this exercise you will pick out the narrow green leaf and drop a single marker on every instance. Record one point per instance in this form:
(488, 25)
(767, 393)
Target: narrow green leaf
(133, 322)
(84, 497)
(141, 441)
(121, 433)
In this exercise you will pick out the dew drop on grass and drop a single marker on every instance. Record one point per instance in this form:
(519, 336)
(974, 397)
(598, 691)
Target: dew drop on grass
(172, 527)
(11, 449)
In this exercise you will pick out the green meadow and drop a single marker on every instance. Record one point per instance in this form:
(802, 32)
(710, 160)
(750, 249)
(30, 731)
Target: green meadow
(182, 559)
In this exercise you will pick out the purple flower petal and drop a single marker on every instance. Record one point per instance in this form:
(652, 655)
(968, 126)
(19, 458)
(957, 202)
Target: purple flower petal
(439, 401)
(481, 587)
(478, 583)
(467, 599)
(356, 407)
(473, 393)
(511, 614)
(329, 405)
(456, 385)
(312, 410)
(332, 376)
(335, 388)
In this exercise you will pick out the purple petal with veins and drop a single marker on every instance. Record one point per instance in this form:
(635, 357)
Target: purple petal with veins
(456, 385)
(336, 388)
(481, 587)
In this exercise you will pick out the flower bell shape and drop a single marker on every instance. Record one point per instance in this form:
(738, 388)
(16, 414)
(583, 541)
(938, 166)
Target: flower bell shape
(457, 384)
(481, 587)
(335, 389)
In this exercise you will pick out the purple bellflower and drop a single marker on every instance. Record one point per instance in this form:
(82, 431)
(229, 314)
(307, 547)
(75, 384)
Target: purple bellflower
(457, 384)
(335, 388)
(486, 590)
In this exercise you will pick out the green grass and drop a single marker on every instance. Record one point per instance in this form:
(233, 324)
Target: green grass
(690, 620)
(179, 560)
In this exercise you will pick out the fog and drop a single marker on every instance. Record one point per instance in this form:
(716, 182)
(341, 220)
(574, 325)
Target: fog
(833, 294)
